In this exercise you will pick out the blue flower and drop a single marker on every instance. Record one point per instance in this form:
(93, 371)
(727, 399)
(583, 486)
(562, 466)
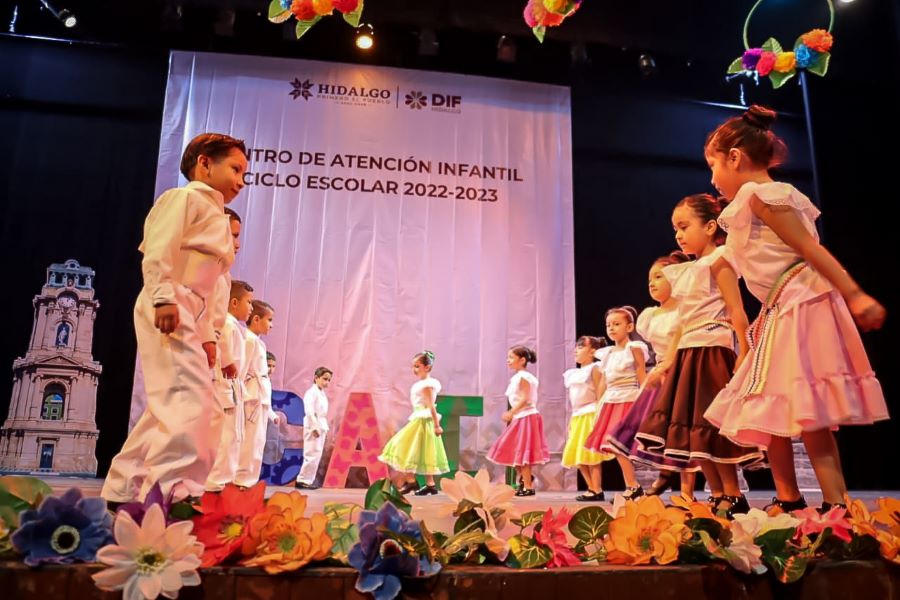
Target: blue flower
(382, 561)
(805, 56)
(64, 530)
(286, 4)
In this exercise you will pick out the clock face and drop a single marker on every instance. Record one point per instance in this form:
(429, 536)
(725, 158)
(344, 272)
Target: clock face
(66, 301)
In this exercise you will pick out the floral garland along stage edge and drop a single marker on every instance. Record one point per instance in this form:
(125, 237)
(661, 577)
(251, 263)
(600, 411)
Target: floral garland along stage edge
(309, 12)
(159, 546)
(810, 52)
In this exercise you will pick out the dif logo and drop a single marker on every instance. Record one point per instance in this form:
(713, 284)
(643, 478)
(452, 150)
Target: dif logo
(418, 100)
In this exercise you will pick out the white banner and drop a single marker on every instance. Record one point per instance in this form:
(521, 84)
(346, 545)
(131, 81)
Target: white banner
(390, 211)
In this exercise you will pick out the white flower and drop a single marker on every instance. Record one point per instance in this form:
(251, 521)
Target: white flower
(150, 559)
(492, 502)
(743, 554)
(757, 522)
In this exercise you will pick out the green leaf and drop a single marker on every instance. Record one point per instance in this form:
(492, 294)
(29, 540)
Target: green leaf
(712, 547)
(539, 32)
(304, 26)
(465, 505)
(409, 543)
(590, 523)
(341, 528)
(530, 518)
(711, 526)
(278, 14)
(21, 493)
(468, 520)
(772, 45)
(779, 79)
(820, 65)
(384, 491)
(736, 66)
(465, 541)
(790, 568)
(526, 553)
(353, 17)
(775, 540)
(183, 511)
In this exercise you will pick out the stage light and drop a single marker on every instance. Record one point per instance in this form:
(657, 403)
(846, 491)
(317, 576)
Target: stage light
(365, 37)
(647, 65)
(846, 1)
(506, 49)
(65, 16)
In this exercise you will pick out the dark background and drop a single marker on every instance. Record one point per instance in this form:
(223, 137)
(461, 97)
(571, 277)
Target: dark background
(80, 114)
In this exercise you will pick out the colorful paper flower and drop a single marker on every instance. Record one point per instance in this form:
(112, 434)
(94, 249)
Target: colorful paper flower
(647, 530)
(551, 534)
(818, 40)
(281, 539)
(223, 524)
(323, 7)
(285, 4)
(150, 559)
(742, 553)
(785, 62)
(750, 58)
(766, 63)
(835, 519)
(64, 530)
(556, 6)
(380, 560)
(492, 502)
(345, 6)
(888, 513)
(303, 10)
(805, 56)
(536, 15)
(757, 522)
(137, 510)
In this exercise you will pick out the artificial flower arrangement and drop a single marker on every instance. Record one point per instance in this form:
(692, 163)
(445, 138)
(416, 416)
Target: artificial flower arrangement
(159, 546)
(309, 12)
(541, 14)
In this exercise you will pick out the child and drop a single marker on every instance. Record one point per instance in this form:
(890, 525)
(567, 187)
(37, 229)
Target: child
(807, 372)
(231, 391)
(624, 368)
(583, 384)
(657, 325)
(701, 358)
(315, 427)
(258, 400)
(417, 447)
(271, 362)
(186, 247)
(522, 444)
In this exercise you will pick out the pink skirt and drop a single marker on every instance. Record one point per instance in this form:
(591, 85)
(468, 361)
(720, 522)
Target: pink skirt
(521, 443)
(611, 415)
(818, 377)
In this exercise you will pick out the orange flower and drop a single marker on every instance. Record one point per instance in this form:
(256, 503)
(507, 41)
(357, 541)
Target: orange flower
(647, 530)
(860, 518)
(323, 7)
(281, 539)
(888, 513)
(785, 62)
(697, 510)
(818, 40)
(890, 545)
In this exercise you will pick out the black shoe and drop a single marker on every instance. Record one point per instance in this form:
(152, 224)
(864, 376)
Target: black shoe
(408, 487)
(590, 496)
(739, 505)
(714, 501)
(787, 506)
(426, 490)
(525, 492)
(633, 493)
(826, 506)
(305, 486)
(663, 482)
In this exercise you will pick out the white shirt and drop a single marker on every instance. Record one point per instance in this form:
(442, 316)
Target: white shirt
(517, 398)
(315, 410)
(582, 393)
(259, 386)
(657, 326)
(760, 254)
(700, 301)
(417, 397)
(621, 372)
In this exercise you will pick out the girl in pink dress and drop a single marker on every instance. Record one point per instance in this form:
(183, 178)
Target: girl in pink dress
(807, 371)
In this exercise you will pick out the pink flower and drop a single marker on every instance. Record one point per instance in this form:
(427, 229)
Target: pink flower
(551, 534)
(766, 63)
(835, 519)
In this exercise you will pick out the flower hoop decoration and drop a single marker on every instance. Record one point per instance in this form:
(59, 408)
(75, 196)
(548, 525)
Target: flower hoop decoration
(811, 52)
(541, 14)
(308, 12)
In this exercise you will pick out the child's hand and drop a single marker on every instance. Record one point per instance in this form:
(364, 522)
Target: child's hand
(868, 313)
(166, 318)
(438, 430)
(230, 371)
(210, 349)
(315, 434)
(654, 378)
(276, 419)
(507, 417)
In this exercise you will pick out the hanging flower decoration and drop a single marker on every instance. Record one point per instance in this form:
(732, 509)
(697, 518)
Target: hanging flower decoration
(811, 52)
(541, 14)
(309, 12)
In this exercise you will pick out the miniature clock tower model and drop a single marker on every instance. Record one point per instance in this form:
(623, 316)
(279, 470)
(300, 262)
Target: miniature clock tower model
(51, 426)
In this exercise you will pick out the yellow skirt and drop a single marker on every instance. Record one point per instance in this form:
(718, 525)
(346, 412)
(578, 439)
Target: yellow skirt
(575, 453)
(416, 449)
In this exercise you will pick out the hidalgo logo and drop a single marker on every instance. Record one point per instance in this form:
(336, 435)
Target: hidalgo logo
(301, 88)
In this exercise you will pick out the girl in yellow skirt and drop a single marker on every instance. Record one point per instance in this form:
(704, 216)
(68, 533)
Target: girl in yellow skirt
(583, 384)
(417, 448)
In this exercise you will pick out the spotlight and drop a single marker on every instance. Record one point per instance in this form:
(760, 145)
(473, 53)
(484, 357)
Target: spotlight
(647, 65)
(846, 1)
(365, 37)
(506, 49)
(65, 16)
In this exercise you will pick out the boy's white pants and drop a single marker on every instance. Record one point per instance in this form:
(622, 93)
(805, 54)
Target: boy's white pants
(312, 454)
(256, 421)
(172, 442)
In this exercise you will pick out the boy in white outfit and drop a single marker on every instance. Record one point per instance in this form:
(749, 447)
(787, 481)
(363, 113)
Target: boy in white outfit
(315, 427)
(187, 246)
